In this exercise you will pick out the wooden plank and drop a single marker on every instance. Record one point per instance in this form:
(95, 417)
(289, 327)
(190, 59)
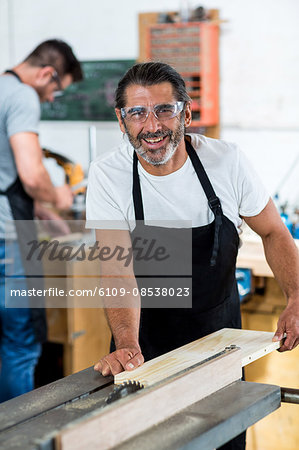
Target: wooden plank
(83, 330)
(132, 415)
(251, 255)
(89, 332)
(253, 344)
(213, 131)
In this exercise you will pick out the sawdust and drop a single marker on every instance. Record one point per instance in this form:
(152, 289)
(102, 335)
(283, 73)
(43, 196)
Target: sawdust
(86, 403)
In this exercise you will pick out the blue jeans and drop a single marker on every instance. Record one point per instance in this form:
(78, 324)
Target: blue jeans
(19, 350)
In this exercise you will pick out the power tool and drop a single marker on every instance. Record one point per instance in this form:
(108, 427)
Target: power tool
(74, 174)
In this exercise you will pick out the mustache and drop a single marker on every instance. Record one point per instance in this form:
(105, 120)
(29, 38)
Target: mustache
(157, 134)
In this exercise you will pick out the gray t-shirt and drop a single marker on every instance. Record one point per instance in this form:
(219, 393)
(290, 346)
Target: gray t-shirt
(19, 112)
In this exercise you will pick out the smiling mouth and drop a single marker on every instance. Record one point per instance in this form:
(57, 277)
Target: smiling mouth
(155, 140)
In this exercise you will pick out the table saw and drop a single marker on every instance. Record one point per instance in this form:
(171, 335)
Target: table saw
(73, 412)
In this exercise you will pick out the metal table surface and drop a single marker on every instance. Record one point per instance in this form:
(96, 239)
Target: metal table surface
(213, 421)
(32, 420)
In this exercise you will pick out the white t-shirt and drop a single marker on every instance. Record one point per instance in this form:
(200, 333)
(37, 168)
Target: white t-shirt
(178, 196)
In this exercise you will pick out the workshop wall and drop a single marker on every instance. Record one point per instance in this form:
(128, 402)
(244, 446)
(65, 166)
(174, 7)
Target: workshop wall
(259, 59)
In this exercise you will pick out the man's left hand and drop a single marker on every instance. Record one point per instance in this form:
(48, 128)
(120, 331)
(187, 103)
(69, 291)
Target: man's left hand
(53, 223)
(288, 324)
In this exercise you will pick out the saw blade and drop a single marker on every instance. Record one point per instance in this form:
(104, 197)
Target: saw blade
(122, 390)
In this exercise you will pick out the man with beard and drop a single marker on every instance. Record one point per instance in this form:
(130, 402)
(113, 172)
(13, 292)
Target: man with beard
(162, 173)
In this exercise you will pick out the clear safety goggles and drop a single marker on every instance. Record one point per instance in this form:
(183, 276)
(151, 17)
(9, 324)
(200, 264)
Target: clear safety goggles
(163, 111)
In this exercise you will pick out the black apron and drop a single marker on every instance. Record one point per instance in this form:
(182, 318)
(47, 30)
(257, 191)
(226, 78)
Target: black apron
(22, 208)
(215, 299)
(215, 295)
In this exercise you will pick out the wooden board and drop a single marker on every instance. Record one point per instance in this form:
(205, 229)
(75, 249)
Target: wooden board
(120, 421)
(81, 326)
(251, 255)
(147, 19)
(253, 344)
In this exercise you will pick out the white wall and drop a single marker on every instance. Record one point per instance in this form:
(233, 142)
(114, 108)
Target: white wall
(4, 34)
(259, 69)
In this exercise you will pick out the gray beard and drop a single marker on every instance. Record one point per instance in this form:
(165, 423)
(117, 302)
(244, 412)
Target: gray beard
(171, 149)
(175, 139)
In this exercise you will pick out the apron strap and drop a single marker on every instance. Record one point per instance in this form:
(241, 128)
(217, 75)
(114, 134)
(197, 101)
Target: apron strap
(12, 72)
(218, 223)
(11, 188)
(137, 197)
(213, 200)
(16, 187)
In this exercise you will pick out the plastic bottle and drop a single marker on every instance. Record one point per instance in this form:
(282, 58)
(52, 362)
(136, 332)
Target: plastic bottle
(285, 218)
(184, 10)
(276, 202)
(296, 227)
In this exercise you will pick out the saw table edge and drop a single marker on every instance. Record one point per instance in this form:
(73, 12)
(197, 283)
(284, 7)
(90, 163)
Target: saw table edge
(134, 414)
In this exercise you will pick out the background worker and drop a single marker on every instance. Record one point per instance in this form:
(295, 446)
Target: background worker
(184, 177)
(24, 183)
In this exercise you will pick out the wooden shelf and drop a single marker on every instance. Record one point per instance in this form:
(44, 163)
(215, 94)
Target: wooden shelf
(192, 49)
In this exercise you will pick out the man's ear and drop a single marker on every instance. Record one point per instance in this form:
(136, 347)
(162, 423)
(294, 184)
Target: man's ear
(120, 120)
(188, 115)
(44, 75)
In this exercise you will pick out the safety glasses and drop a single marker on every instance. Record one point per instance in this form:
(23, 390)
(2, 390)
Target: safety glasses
(163, 111)
(56, 78)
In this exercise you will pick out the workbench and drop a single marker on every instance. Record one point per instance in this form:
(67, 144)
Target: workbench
(261, 312)
(251, 254)
(32, 420)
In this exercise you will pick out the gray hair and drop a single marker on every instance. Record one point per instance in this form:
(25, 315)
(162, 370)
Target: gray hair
(148, 74)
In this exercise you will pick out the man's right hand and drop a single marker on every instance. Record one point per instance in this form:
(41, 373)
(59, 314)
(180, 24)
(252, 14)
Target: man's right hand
(64, 197)
(127, 358)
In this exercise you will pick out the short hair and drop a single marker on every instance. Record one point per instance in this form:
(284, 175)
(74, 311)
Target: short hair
(148, 74)
(58, 54)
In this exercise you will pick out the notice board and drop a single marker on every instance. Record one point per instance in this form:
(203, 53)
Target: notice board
(91, 99)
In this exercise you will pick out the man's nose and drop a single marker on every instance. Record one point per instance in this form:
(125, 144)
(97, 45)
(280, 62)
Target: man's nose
(152, 124)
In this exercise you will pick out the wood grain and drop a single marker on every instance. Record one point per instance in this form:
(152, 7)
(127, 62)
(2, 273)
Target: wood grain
(253, 345)
(127, 417)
